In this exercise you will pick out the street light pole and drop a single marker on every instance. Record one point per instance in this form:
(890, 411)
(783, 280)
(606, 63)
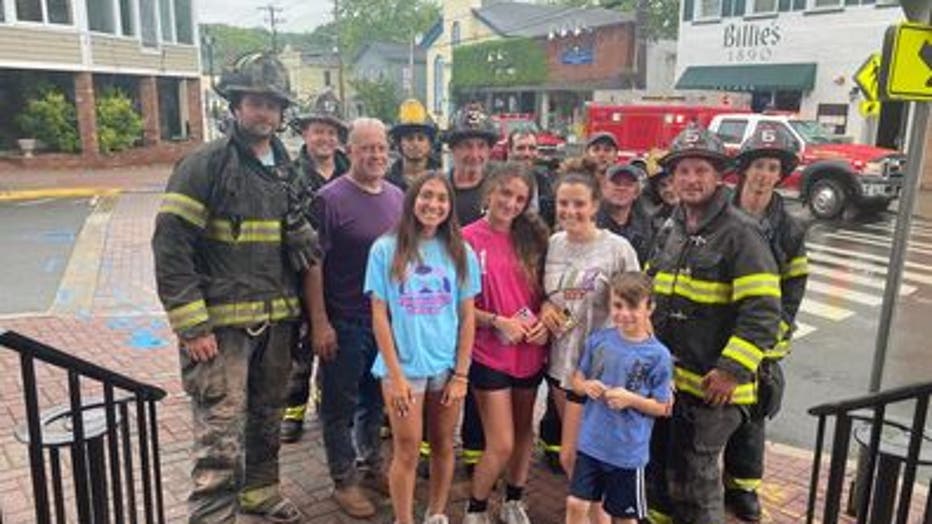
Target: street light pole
(339, 51)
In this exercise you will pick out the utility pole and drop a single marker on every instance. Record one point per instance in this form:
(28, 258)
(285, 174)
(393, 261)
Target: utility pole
(339, 52)
(273, 20)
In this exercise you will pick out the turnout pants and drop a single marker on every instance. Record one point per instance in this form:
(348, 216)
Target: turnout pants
(744, 453)
(299, 387)
(690, 445)
(237, 400)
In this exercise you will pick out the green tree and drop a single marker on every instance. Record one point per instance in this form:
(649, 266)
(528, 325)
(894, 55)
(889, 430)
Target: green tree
(379, 97)
(362, 21)
(662, 15)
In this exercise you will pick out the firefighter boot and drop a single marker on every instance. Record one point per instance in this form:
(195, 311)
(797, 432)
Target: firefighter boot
(292, 424)
(744, 504)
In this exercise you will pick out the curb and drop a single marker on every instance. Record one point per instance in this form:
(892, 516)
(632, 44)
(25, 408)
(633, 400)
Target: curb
(74, 192)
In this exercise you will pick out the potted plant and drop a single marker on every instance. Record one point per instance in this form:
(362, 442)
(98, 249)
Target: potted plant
(27, 146)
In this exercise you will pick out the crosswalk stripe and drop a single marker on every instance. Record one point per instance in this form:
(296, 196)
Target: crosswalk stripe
(843, 293)
(802, 329)
(881, 238)
(881, 243)
(866, 266)
(839, 275)
(883, 260)
(889, 229)
(820, 309)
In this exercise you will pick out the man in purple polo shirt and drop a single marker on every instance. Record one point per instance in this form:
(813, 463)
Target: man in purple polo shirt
(352, 211)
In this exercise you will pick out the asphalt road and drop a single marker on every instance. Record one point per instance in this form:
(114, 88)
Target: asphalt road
(37, 238)
(833, 354)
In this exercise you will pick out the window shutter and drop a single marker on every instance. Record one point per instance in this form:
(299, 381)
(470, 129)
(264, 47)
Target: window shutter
(785, 5)
(739, 7)
(726, 8)
(687, 10)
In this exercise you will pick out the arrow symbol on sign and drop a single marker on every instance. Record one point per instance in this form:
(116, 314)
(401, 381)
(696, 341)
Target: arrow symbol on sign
(926, 55)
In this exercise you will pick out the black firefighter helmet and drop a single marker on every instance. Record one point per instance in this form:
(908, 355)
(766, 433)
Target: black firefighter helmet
(769, 141)
(256, 73)
(471, 122)
(696, 142)
(326, 109)
(413, 118)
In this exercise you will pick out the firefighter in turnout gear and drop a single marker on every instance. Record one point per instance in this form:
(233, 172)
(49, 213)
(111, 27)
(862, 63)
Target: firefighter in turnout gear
(765, 160)
(230, 243)
(717, 292)
(319, 161)
(414, 137)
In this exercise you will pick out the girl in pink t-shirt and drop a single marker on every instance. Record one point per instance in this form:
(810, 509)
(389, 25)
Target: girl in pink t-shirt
(509, 353)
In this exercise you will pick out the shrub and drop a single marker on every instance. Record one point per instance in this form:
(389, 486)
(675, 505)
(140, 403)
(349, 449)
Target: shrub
(51, 118)
(119, 126)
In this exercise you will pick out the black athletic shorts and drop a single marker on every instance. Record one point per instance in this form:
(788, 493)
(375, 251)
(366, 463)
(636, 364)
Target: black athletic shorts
(484, 378)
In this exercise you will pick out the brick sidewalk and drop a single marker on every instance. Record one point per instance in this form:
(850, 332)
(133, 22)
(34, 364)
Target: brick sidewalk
(124, 332)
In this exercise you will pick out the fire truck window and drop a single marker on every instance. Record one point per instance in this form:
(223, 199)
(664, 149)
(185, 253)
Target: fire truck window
(732, 131)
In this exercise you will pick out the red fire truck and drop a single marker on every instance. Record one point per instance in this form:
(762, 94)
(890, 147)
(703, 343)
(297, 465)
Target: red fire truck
(833, 175)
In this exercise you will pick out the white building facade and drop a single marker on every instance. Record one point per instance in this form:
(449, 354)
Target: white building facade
(791, 55)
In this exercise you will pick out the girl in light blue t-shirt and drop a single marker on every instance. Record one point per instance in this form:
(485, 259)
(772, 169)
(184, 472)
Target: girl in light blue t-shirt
(421, 279)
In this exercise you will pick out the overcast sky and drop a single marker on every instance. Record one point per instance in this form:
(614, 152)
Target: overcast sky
(299, 15)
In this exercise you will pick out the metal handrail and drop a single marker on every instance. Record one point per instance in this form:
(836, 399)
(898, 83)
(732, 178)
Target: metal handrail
(870, 401)
(102, 457)
(29, 346)
(844, 415)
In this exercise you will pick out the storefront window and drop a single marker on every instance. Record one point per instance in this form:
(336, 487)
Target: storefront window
(150, 34)
(127, 20)
(165, 21)
(821, 4)
(183, 30)
(765, 6)
(29, 10)
(709, 9)
(100, 16)
(59, 11)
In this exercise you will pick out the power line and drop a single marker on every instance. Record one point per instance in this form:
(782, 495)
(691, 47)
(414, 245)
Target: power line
(273, 20)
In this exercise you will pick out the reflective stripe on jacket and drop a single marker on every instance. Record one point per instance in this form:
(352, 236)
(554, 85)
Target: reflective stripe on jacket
(219, 259)
(717, 295)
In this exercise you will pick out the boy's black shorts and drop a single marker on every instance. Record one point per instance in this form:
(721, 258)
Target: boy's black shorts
(621, 490)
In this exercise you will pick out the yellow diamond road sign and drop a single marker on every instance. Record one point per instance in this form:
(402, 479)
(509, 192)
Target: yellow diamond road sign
(907, 65)
(867, 75)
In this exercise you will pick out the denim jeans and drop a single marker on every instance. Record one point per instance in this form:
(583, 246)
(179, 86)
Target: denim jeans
(351, 402)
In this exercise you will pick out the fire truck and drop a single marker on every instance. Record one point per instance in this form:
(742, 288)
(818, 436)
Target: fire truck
(549, 145)
(640, 129)
(833, 175)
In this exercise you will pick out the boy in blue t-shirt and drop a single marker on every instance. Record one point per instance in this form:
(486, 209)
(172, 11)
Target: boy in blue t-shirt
(626, 373)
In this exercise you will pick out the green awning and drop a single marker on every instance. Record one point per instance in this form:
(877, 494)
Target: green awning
(752, 77)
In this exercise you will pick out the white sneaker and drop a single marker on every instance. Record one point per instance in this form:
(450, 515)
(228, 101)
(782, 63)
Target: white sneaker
(513, 512)
(439, 518)
(481, 517)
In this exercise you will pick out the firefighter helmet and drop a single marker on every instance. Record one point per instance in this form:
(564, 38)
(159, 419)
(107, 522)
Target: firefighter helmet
(696, 142)
(326, 109)
(471, 122)
(258, 73)
(413, 118)
(769, 141)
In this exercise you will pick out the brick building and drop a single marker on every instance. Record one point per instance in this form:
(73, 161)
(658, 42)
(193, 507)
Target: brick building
(146, 48)
(582, 50)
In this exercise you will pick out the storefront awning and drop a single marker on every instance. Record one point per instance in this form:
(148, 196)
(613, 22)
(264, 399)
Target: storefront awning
(757, 77)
